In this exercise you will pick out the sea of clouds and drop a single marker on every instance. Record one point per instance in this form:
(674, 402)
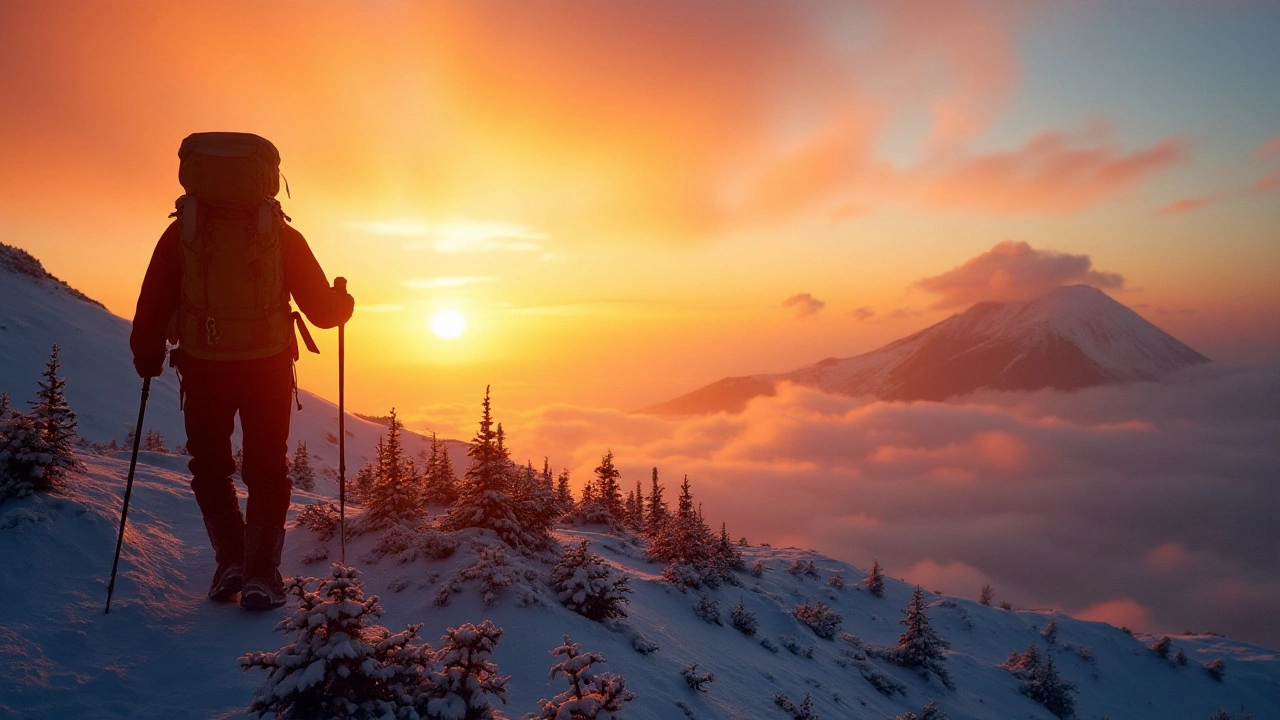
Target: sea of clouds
(1152, 505)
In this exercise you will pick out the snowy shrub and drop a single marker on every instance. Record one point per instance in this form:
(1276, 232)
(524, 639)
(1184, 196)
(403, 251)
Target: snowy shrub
(492, 569)
(643, 645)
(464, 677)
(919, 646)
(1087, 655)
(1041, 681)
(800, 567)
(769, 645)
(412, 543)
(1005, 605)
(1217, 668)
(686, 575)
(837, 580)
(1161, 647)
(320, 518)
(803, 711)
(591, 696)
(591, 513)
(316, 554)
(757, 568)
(708, 610)
(822, 620)
(875, 580)
(986, 595)
(1181, 658)
(697, 680)
(340, 663)
(883, 684)
(584, 583)
(301, 474)
(929, 712)
(743, 619)
(794, 647)
(1050, 632)
(28, 462)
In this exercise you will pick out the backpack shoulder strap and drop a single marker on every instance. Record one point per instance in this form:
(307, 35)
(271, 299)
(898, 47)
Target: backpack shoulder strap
(185, 209)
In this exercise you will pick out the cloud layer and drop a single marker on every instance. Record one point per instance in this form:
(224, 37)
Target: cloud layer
(1151, 505)
(804, 304)
(1014, 271)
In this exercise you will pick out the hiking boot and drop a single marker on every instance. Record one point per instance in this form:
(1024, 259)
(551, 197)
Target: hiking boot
(263, 587)
(226, 535)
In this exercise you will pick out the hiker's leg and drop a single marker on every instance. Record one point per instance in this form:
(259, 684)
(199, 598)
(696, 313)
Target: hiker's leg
(264, 418)
(210, 408)
(209, 414)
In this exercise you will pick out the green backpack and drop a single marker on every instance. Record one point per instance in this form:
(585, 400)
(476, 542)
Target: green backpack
(234, 303)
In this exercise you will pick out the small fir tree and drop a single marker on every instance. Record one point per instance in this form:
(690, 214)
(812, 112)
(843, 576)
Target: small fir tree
(608, 490)
(986, 595)
(635, 513)
(466, 677)
(1217, 668)
(300, 470)
(919, 646)
(585, 584)
(153, 441)
(439, 484)
(656, 513)
(564, 495)
(1041, 681)
(484, 498)
(743, 619)
(340, 663)
(591, 695)
(1050, 632)
(395, 495)
(875, 580)
(1161, 647)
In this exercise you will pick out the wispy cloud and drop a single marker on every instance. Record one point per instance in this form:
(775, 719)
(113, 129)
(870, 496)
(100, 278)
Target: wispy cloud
(862, 313)
(447, 281)
(1186, 205)
(458, 237)
(1269, 147)
(1014, 271)
(805, 304)
(1265, 184)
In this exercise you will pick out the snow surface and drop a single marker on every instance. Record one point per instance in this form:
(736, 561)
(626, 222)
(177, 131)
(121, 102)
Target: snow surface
(165, 651)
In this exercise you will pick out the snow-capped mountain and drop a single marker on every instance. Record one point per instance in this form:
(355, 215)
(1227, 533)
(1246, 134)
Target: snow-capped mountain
(1071, 338)
(38, 310)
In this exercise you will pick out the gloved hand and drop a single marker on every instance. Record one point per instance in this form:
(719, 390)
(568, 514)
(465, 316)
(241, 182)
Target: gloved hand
(348, 306)
(148, 367)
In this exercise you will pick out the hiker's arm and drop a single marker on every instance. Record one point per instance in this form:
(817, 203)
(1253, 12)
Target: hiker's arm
(157, 302)
(322, 305)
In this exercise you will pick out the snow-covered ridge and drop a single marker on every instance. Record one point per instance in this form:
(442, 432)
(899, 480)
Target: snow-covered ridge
(176, 653)
(19, 261)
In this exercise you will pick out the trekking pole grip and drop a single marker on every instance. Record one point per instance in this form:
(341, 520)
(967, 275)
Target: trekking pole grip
(340, 284)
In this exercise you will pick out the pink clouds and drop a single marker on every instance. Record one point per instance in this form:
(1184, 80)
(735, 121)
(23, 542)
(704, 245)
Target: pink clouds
(804, 304)
(1134, 504)
(1186, 204)
(1269, 147)
(1014, 271)
(1048, 174)
(1265, 185)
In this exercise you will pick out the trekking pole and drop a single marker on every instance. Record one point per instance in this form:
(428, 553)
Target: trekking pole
(128, 490)
(340, 284)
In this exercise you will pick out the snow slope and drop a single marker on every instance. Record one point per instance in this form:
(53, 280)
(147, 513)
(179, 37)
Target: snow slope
(166, 652)
(37, 310)
(1071, 338)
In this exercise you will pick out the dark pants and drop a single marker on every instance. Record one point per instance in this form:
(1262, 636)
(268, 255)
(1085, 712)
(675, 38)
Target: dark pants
(262, 392)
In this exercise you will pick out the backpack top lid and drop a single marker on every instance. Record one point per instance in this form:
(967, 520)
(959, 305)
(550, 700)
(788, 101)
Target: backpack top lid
(229, 167)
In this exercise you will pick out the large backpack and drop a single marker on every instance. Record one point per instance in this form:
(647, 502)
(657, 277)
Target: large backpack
(234, 302)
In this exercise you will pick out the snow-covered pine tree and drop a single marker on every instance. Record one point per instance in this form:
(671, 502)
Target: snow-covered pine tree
(656, 513)
(610, 492)
(300, 470)
(586, 584)
(153, 441)
(564, 495)
(1041, 681)
(439, 484)
(875, 580)
(340, 662)
(535, 507)
(919, 646)
(743, 619)
(395, 496)
(484, 499)
(466, 676)
(548, 478)
(685, 544)
(361, 485)
(635, 513)
(591, 695)
(56, 422)
(727, 556)
(22, 454)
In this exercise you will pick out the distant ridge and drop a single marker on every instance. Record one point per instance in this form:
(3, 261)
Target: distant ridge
(1070, 338)
(19, 261)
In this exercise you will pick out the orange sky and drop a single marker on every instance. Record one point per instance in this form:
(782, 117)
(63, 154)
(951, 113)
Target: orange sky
(620, 198)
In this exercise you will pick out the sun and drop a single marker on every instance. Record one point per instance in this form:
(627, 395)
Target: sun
(448, 324)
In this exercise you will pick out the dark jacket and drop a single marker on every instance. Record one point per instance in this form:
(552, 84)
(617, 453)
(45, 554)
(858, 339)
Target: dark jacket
(162, 293)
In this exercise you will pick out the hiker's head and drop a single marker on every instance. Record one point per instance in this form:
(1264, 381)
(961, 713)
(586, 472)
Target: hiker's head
(228, 167)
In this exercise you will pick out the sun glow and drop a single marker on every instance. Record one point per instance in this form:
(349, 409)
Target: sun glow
(448, 324)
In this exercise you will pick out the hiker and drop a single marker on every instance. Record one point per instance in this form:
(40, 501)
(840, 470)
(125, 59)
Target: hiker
(219, 285)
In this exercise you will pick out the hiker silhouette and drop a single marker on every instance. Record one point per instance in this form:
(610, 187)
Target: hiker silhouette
(219, 286)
